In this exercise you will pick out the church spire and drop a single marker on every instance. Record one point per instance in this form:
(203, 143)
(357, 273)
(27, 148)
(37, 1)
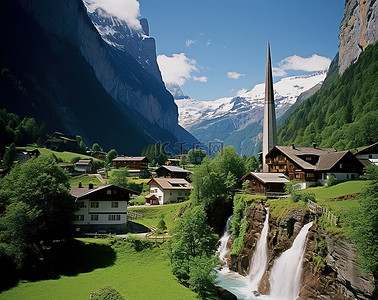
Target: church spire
(270, 128)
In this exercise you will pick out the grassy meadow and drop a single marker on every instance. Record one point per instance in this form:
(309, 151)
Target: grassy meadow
(135, 274)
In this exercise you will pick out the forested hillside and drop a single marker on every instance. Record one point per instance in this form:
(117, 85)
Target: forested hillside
(343, 113)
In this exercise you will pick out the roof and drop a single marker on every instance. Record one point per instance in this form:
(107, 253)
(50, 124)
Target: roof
(82, 192)
(174, 169)
(83, 162)
(268, 177)
(130, 158)
(172, 183)
(328, 157)
(151, 196)
(369, 149)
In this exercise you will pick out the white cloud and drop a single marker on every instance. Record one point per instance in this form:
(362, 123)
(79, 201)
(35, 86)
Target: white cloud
(188, 43)
(208, 42)
(201, 78)
(234, 75)
(127, 10)
(176, 68)
(298, 63)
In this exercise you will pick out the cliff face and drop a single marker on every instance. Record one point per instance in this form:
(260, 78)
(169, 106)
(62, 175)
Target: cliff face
(358, 29)
(338, 278)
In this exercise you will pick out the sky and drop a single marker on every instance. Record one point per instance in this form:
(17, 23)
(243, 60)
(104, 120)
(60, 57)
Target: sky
(215, 49)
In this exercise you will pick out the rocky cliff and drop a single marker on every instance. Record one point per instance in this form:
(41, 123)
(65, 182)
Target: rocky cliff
(358, 29)
(336, 277)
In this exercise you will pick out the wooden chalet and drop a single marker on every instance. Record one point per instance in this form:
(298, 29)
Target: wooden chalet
(269, 184)
(172, 162)
(368, 155)
(85, 166)
(172, 172)
(59, 141)
(25, 155)
(313, 165)
(137, 165)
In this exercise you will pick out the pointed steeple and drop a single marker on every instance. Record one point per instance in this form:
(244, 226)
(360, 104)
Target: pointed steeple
(270, 128)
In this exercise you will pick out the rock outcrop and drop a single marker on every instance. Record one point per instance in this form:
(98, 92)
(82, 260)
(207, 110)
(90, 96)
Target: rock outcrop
(358, 29)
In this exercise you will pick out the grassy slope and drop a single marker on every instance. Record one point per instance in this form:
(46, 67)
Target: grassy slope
(152, 214)
(85, 179)
(136, 275)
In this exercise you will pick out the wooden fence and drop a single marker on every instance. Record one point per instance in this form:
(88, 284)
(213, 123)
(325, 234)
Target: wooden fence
(132, 215)
(319, 210)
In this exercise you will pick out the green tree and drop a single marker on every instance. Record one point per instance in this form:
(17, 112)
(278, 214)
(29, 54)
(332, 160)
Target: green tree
(251, 164)
(119, 177)
(203, 276)
(332, 180)
(192, 238)
(108, 292)
(112, 154)
(39, 208)
(9, 157)
(196, 156)
(96, 147)
(363, 224)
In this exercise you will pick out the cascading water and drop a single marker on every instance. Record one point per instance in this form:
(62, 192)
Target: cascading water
(223, 251)
(286, 273)
(260, 257)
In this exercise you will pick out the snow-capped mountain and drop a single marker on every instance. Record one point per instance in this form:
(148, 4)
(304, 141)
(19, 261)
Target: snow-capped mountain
(286, 92)
(117, 33)
(237, 120)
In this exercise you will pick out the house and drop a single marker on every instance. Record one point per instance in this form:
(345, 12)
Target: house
(137, 165)
(25, 155)
(62, 142)
(101, 208)
(266, 183)
(169, 190)
(368, 155)
(172, 162)
(172, 172)
(152, 199)
(97, 154)
(313, 165)
(85, 166)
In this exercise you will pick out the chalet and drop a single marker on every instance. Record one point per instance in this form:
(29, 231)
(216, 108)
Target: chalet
(25, 155)
(313, 165)
(368, 155)
(84, 166)
(137, 165)
(172, 172)
(172, 162)
(266, 183)
(97, 154)
(62, 142)
(101, 208)
(169, 190)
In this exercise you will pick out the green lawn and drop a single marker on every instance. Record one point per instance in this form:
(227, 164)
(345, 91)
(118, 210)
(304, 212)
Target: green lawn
(280, 207)
(152, 214)
(340, 189)
(85, 179)
(136, 275)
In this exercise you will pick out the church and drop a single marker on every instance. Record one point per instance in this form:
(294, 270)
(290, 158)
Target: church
(310, 165)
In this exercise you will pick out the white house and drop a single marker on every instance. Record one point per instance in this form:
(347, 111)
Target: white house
(169, 190)
(101, 208)
(84, 166)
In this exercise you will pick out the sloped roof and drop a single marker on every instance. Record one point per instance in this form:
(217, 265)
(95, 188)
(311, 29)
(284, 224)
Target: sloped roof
(328, 157)
(174, 169)
(84, 162)
(130, 158)
(267, 177)
(82, 192)
(368, 150)
(172, 183)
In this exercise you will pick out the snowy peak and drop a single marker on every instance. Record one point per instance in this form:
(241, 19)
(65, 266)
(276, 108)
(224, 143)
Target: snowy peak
(133, 40)
(176, 91)
(286, 92)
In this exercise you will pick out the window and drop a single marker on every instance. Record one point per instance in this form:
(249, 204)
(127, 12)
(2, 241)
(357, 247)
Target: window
(109, 192)
(114, 217)
(79, 217)
(94, 217)
(94, 204)
(370, 156)
(114, 204)
(81, 204)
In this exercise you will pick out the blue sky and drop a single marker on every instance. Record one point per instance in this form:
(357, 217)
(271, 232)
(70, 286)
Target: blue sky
(213, 49)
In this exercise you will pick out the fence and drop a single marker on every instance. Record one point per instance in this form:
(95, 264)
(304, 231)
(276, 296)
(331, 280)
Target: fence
(317, 209)
(132, 215)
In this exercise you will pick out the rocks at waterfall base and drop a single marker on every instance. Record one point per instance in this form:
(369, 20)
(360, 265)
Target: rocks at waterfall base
(340, 278)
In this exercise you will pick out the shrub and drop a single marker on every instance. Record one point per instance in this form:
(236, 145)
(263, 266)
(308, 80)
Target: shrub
(332, 180)
(137, 243)
(107, 293)
(137, 201)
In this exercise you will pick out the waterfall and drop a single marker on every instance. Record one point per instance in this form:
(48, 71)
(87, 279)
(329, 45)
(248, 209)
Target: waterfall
(222, 249)
(260, 257)
(285, 276)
